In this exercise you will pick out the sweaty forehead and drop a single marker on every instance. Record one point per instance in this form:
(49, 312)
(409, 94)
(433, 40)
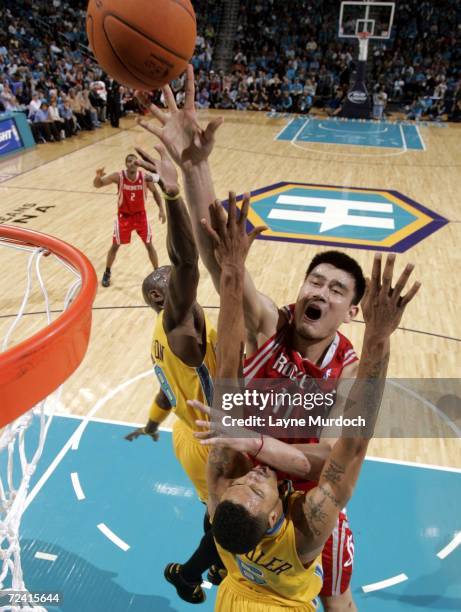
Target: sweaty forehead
(240, 493)
(332, 273)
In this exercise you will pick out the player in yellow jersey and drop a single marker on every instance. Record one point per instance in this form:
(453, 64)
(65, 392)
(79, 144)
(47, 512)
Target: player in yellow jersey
(183, 352)
(271, 543)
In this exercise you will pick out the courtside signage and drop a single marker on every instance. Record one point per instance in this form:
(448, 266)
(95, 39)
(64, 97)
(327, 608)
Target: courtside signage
(375, 219)
(10, 140)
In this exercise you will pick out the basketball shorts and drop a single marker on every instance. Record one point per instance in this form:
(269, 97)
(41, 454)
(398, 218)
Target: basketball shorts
(338, 559)
(192, 456)
(125, 224)
(231, 598)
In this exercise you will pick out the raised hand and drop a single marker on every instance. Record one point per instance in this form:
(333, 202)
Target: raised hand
(229, 235)
(164, 167)
(383, 304)
(100, 172)
(186, 142)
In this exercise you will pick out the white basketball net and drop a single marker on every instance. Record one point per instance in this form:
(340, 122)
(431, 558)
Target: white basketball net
(16, 474)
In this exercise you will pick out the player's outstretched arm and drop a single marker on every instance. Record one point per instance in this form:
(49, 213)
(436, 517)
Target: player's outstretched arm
(190, 146)
(383, 307)
(182, 250)
(159, 411)
(231, 244)
(101, 180)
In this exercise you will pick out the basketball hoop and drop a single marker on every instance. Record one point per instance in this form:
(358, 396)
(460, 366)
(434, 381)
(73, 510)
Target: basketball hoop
(34, 368)
(31, 374)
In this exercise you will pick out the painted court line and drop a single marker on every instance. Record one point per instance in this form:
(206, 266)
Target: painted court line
(284, 128)
(420, 137)
(113, 537)
(425, 466)
(77, 486)
(74, 439)
(45, 556)
(404, 142)
(384, 584)
(298, 133)
(449, 548)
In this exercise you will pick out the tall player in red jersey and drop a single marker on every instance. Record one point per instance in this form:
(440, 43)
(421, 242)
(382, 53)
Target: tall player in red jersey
(309, 342)
(132, 186)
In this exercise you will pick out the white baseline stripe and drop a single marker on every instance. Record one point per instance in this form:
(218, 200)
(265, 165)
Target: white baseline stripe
(449, 548)
(45, 556)
(78, 434)
(113, 537)
(426, 466)
(384, 584)
(77, 487)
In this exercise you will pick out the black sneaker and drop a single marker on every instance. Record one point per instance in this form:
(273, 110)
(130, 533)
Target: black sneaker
(106, 279)
(216, 575)
(188, 591)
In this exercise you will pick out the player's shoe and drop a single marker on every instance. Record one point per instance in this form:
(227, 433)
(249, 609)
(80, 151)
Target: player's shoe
(188, 591)
(106, 279)
(216, 575)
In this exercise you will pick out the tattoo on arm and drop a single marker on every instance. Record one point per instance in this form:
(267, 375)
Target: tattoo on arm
(334, 472)
(315, 515)
(221, 460)
(330, 496)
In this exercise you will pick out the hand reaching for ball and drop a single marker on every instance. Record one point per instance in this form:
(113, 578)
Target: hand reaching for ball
(186, 142)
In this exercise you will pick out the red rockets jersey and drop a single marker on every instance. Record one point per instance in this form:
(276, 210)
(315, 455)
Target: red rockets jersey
(132, 194)
(275, 359)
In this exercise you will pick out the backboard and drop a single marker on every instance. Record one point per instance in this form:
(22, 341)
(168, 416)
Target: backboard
(374, 18)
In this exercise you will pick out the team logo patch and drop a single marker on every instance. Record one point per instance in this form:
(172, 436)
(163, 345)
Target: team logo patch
(375, 219)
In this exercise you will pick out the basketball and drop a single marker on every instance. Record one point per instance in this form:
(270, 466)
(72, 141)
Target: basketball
(142, 44)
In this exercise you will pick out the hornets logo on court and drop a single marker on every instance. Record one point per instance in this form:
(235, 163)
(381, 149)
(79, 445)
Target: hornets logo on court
(375, 219)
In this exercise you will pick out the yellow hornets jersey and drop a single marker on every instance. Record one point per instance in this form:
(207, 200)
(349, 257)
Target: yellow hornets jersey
(180, 382)
(272, 572)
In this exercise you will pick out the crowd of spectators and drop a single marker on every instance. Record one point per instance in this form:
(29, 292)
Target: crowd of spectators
(47, 71)
(287, 58)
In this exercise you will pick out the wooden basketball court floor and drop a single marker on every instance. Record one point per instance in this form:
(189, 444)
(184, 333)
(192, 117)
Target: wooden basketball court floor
(50, 189)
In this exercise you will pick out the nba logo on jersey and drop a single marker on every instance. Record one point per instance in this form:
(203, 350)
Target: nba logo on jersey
(375, 219)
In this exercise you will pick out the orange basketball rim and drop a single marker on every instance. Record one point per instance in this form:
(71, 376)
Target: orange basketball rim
(34, 368)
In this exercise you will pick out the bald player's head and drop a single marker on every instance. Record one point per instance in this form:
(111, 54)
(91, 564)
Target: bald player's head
(155, 288)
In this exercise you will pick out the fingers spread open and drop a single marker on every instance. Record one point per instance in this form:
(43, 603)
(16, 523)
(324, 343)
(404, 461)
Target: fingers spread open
(189, 102)
(376, 273)
(153, 129)
(158, 114)
(256, 232)
(400, 285)
(387, 274)
(232, 210)
(169, 99)
(410, 295)
(244, 209)
(211, 232)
